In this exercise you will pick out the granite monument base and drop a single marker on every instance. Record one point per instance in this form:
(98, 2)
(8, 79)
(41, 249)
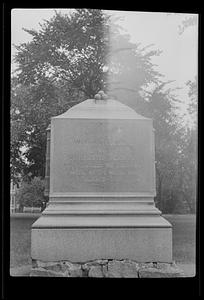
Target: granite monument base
(140, 238)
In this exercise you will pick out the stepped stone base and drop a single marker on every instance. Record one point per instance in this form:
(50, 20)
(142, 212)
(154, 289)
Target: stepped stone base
(141, 237)
(107, 268)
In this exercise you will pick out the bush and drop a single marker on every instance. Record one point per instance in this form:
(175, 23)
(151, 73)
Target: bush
(31, 194)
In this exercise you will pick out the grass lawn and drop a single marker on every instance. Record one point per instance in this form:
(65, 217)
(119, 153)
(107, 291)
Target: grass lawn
(20, 240)
(183, 239)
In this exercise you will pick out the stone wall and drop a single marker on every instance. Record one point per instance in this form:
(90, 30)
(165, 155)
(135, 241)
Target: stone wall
(105, 268)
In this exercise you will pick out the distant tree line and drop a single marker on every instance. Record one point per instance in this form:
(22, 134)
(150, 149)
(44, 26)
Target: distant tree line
(70, 59)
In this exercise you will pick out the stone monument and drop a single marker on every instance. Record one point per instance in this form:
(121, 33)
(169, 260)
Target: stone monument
(102, 188)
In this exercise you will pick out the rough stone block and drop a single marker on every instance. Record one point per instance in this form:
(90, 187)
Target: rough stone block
(44, 264)
(64, 267)
(106, 268)
(101, 261)
(87, 266)
(95, 271)
(74, 270)
(40, 272)
(167, 272)
(52, 266)
(122, 269)
(34, 263)
(75, 273)
(165, 266)
(145, 265)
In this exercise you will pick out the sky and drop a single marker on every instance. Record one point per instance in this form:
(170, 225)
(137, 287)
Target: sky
(178, 60)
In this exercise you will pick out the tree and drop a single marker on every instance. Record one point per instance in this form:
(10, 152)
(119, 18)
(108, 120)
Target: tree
(71, 48)
(189, 168)
(193, 100)
(30, 115)
(18, 134)
(187, 22)
(31, 193)
(66, 62)
(131, 70)
(60, 67)
(71, 58)
(159, 105)
(182, 188)
(189, 151)
(188, 162)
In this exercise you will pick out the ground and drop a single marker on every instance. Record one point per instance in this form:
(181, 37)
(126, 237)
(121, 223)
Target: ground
(183, 241)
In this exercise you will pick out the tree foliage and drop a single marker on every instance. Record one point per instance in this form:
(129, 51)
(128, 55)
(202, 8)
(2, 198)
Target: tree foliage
(188, 22)
(193, 100)
(131, 70)
(71, 47)
(61, 66)
(189, 158)
(70, 59)
(159, 105)
(31, 193)
(134, 81)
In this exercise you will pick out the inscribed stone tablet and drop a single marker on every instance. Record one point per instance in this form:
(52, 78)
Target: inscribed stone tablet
(102, 156)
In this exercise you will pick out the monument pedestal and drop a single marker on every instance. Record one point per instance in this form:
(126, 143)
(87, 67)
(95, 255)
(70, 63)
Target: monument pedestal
(84, 230)
(102, 189)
